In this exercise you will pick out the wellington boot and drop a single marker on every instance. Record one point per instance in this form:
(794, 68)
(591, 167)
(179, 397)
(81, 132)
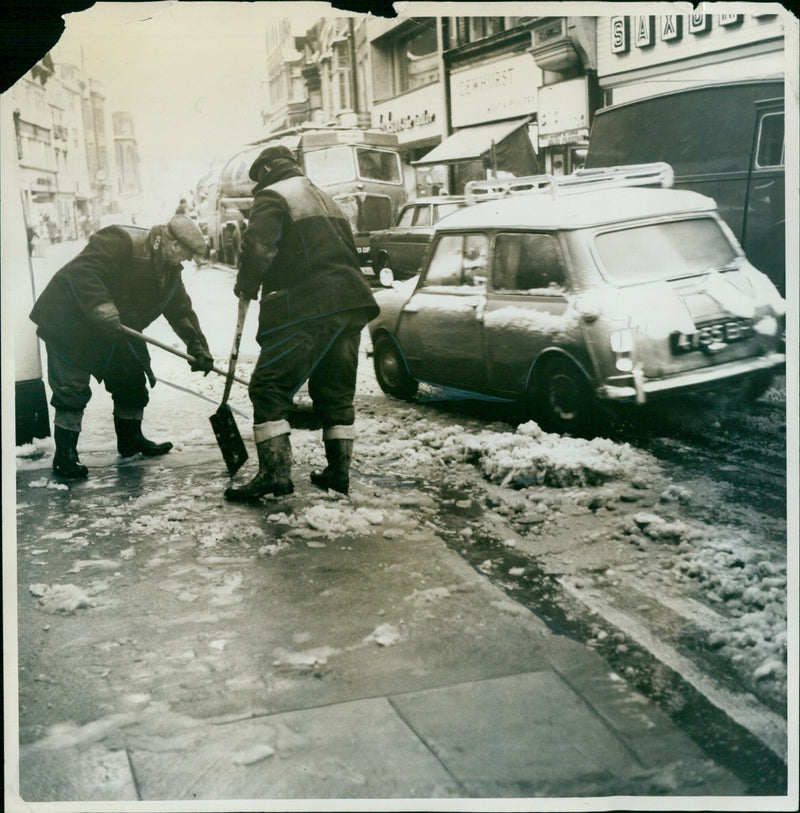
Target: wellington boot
(65, 460)
(131, 441)
(274, 472)
(336, 475)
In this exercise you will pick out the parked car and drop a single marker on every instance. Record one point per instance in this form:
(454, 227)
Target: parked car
(568, 292)
(396, 253)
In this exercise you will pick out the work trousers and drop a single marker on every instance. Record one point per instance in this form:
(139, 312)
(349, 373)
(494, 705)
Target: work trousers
(322, 351)
(125, 381)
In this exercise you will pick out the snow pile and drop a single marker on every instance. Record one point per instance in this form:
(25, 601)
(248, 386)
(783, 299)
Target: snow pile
(45, 483)
(750, 590)
(384, 635)
(744, 587)
(332, 521)
(531, 456)
(657, 529)
(60, 598)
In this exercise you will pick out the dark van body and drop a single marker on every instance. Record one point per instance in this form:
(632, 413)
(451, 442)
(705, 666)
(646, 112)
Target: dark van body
(724, 141)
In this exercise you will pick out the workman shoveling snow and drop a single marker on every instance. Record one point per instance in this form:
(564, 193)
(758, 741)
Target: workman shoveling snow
(124, 276)
(299, 249)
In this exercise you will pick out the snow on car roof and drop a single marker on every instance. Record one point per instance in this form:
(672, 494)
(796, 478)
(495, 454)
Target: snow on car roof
(576, 210)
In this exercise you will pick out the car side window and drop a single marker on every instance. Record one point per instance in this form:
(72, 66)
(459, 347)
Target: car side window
(525, 262)
(458, 260)
(422, 216)
(407, 217)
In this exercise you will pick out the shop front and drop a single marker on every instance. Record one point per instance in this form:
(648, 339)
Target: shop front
(493, 105)
(565, 48)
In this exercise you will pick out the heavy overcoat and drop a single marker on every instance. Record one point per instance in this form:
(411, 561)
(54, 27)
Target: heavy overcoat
(117, 272)
(299, 249)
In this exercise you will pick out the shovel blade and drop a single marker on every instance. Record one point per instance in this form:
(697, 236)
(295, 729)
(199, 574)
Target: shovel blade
(229, 440)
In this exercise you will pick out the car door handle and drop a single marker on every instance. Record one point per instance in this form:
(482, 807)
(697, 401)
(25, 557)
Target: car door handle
(411, 309)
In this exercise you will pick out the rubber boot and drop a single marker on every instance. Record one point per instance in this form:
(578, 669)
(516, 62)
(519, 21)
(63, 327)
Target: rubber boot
(274, 472)
(131, 441)
(336, 475)
(65, 460)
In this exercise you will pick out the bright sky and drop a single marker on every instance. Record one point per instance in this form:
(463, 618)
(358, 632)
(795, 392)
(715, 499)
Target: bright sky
(191, 74)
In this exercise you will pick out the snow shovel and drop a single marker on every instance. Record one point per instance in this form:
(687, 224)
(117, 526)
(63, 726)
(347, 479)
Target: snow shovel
(222, 421)
(135, 333)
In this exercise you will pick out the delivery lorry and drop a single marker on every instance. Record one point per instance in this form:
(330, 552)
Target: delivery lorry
(361, 169)
(725, 141)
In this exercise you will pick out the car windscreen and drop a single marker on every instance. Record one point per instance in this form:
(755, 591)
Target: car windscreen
(378, 165)
(330, 165)
(662, 251)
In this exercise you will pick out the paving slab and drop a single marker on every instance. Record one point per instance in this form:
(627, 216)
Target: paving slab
(350, 750)
(281, 651)
(94, 774)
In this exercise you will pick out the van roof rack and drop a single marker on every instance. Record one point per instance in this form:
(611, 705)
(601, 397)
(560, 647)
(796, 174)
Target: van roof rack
(582, 180)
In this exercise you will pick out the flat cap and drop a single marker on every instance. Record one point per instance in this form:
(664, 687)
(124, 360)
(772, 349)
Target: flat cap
(187, 233)
(268, 155)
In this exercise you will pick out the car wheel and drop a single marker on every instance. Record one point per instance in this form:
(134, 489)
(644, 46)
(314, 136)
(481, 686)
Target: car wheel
(562, 399)
(390, 369)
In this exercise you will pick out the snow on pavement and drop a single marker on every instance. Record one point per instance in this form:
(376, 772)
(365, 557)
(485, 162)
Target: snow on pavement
(739, 578)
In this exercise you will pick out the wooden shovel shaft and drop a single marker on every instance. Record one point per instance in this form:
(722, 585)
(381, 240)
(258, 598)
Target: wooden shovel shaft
(237, 338)
(135, 333)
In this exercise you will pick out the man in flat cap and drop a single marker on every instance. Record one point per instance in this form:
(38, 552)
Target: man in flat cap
(299, 251)
(124, 276)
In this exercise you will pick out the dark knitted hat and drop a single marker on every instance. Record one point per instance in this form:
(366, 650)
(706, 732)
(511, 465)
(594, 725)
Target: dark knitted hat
(268, 155)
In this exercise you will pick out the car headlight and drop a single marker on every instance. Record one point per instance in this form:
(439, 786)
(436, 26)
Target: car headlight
(621, 340)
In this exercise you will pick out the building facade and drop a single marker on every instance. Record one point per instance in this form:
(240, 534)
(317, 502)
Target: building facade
(71, 173)
(126, 154)
(470, 97)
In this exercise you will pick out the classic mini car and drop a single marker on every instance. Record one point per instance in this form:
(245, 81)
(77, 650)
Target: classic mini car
(397, 252)
(561, 293)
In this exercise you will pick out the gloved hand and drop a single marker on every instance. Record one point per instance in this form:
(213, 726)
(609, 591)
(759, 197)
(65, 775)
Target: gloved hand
(240, 291)
(203, 362)
(110, 325)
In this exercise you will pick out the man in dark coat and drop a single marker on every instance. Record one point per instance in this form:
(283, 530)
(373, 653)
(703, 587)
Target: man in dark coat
(299, 249)
(124, 276)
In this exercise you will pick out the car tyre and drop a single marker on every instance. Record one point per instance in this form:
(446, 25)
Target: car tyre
(562, 399)
(390, 370)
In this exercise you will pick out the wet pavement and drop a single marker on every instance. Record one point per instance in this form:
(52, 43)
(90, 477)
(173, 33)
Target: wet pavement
(175, 647)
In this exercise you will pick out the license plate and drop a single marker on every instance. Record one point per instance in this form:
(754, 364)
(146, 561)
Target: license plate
(712, 338)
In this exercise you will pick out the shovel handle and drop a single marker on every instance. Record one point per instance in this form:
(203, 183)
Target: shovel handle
(135, 334)
(244, 302)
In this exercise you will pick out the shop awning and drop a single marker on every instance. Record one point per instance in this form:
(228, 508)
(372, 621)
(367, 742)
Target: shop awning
(471, 143)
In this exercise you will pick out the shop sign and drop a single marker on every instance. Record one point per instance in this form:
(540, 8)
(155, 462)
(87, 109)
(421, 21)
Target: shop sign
(548, 31)
(730, 19)
(671, 27)
(645, 31)
(563, 107)
(619, 35)
(699, 23)
(578, 136)
(412, 116)
(494, 90)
